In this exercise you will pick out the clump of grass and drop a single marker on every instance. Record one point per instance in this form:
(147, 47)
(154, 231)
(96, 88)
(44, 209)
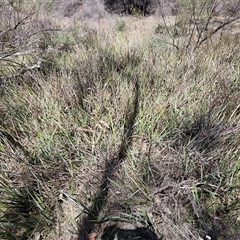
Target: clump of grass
(120, 25)
(23, 212)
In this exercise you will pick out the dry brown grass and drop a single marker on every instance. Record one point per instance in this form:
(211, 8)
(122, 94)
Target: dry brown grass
(121, 134)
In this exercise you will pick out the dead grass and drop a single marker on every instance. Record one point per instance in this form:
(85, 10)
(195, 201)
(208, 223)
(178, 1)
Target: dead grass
(123, 138)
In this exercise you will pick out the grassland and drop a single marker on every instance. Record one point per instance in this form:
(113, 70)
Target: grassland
(119, 138)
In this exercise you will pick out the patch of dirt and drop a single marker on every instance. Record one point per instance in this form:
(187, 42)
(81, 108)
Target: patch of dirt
(79, 9)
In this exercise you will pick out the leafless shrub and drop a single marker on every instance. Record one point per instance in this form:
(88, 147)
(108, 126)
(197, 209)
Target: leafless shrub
(22, 37)
(198, 21)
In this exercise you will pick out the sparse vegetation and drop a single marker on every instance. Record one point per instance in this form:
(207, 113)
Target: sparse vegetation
(105, 135)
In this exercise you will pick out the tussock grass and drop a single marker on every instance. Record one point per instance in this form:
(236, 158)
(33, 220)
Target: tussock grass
(105, 136)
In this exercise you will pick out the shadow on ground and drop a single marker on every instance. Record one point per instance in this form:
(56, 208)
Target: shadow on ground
(88, 223)
(113, 232)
